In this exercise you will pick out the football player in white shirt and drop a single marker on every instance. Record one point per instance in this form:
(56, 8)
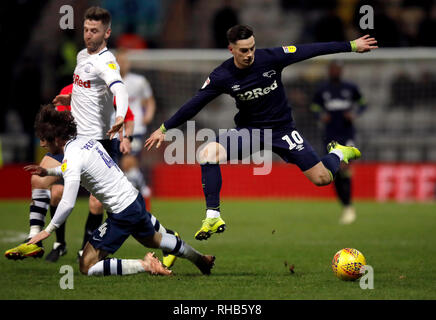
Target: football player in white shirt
(96, 80)
(86, 162)
(143, 105)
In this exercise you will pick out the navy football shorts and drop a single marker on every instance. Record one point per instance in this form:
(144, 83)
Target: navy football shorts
(58, 157)
(286, 142)
(135, 220)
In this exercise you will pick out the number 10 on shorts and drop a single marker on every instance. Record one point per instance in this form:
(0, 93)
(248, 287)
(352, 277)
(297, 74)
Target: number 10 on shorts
(295, 136)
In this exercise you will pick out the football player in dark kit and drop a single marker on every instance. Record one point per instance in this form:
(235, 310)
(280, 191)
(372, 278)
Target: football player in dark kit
(335, 104)
(253, 78)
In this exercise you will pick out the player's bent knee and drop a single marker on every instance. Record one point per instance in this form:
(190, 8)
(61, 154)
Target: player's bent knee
(319, 176)
(56, 194)
(213, 152)
(83, 267)
(322, 180)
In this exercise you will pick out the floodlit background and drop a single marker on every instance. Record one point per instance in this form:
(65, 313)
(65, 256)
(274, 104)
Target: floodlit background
(177, 43)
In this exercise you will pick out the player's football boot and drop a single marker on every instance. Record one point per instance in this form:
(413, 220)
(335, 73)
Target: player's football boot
(210, 226)
(348, 215)
(25, 251)
(59, 250)
(350, 153)
(205, 264)
(169, 259)
(152, 265)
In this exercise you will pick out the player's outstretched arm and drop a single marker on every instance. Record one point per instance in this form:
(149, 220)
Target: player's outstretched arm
(156, 137)
(364, 44)
(63, 210)
(36, 170)
(62, 100)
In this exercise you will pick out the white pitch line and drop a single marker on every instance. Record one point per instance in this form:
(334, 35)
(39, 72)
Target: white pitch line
(12, 236)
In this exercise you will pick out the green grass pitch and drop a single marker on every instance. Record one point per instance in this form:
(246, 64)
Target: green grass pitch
(263, 238)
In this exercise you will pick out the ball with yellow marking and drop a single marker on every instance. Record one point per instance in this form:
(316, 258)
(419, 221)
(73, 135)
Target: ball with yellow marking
(347, 264)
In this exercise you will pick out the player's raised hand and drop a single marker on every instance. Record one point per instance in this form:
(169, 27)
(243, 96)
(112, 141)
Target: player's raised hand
(156, 137)
(117, 128)
(62, 100)
(365, 44)
(39, 237)
(36, 170)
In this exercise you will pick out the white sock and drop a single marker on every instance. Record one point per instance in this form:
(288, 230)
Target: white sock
(161, 228)
(34, 230)
(176, 246)
(168, 242)
(212, 213)
(338, 153)
(116, 267)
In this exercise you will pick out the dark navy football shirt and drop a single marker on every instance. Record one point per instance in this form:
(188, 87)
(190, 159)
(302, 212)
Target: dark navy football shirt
(258, 90)
(337, 99)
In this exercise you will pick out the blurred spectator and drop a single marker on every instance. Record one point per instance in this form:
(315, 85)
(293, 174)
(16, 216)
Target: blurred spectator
(66, 58)
(130, 40)
(386, 18)
(15, 35)
(292, 4)
(330, 27)
(223, 19)
(425, 92)
(146, 16)
(411, 18)
(403, 91)
(427, 28)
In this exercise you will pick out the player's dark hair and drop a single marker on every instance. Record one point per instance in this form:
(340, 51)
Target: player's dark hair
(98, 14)
(51, 124)
(239, 32)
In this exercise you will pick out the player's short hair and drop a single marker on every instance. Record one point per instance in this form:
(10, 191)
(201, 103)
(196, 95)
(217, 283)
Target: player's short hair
(98, 14)
(51, 124)
(239, 32)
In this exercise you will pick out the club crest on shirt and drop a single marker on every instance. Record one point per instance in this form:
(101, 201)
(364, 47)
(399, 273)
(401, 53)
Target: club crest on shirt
(64, 165)
(206, 83)
(236, 87)
(289, 49)
(112, 65)
(269, 74)
(88, 68)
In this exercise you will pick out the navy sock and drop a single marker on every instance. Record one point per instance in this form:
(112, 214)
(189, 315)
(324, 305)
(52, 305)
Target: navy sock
(343, 187)
(211, 181)
(331, 161)
(60, 232)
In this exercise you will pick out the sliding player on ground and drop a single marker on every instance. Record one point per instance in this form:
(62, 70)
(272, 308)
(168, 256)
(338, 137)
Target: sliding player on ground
(96, 81)
(86, 162)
